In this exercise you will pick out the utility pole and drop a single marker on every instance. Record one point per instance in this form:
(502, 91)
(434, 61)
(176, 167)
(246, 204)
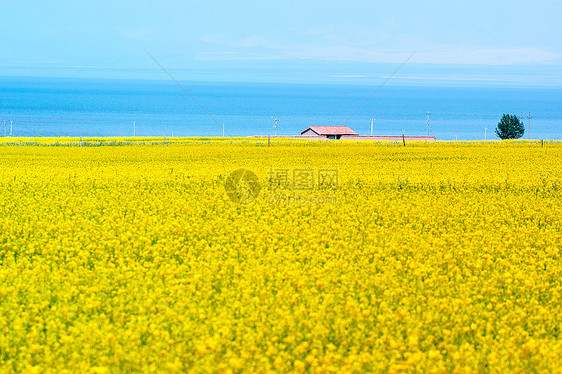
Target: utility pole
(428, 113)
(529, 129)
(275, 120)
(372, 120)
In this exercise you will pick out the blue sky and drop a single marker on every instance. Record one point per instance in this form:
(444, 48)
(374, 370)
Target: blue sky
(457, 42)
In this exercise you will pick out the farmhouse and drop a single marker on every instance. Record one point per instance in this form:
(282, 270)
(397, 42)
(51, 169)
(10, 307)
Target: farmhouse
(330, 132)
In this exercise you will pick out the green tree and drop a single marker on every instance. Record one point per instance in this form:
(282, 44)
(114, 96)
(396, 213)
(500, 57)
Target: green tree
(510, 127)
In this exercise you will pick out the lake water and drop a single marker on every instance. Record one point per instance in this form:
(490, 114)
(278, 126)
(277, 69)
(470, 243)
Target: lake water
(73, 107)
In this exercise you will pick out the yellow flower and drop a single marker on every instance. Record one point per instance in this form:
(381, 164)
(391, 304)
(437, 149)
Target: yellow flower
(433, 257)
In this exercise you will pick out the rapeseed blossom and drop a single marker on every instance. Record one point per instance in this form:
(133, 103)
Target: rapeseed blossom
(441, 257)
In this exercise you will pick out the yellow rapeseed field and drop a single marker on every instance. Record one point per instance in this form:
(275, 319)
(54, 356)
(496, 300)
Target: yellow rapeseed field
(128, 256)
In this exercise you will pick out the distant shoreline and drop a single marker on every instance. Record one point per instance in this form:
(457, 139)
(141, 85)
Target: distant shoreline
(354, 137)
(257, 139)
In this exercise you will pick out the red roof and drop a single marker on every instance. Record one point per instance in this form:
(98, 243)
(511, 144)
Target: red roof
(332, 130)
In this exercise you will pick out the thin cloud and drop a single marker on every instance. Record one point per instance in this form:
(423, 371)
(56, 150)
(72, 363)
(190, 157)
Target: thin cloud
(233, 56)
(213, 38)
(345, 76)
(469, 55)
(259, 48)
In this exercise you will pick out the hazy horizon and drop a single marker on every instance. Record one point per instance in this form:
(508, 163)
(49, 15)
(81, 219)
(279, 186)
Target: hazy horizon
(478, 43)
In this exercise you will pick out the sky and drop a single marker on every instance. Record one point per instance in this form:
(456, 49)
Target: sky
(330, 41)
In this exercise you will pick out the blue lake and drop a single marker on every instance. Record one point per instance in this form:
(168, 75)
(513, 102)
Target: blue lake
(75, 107)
